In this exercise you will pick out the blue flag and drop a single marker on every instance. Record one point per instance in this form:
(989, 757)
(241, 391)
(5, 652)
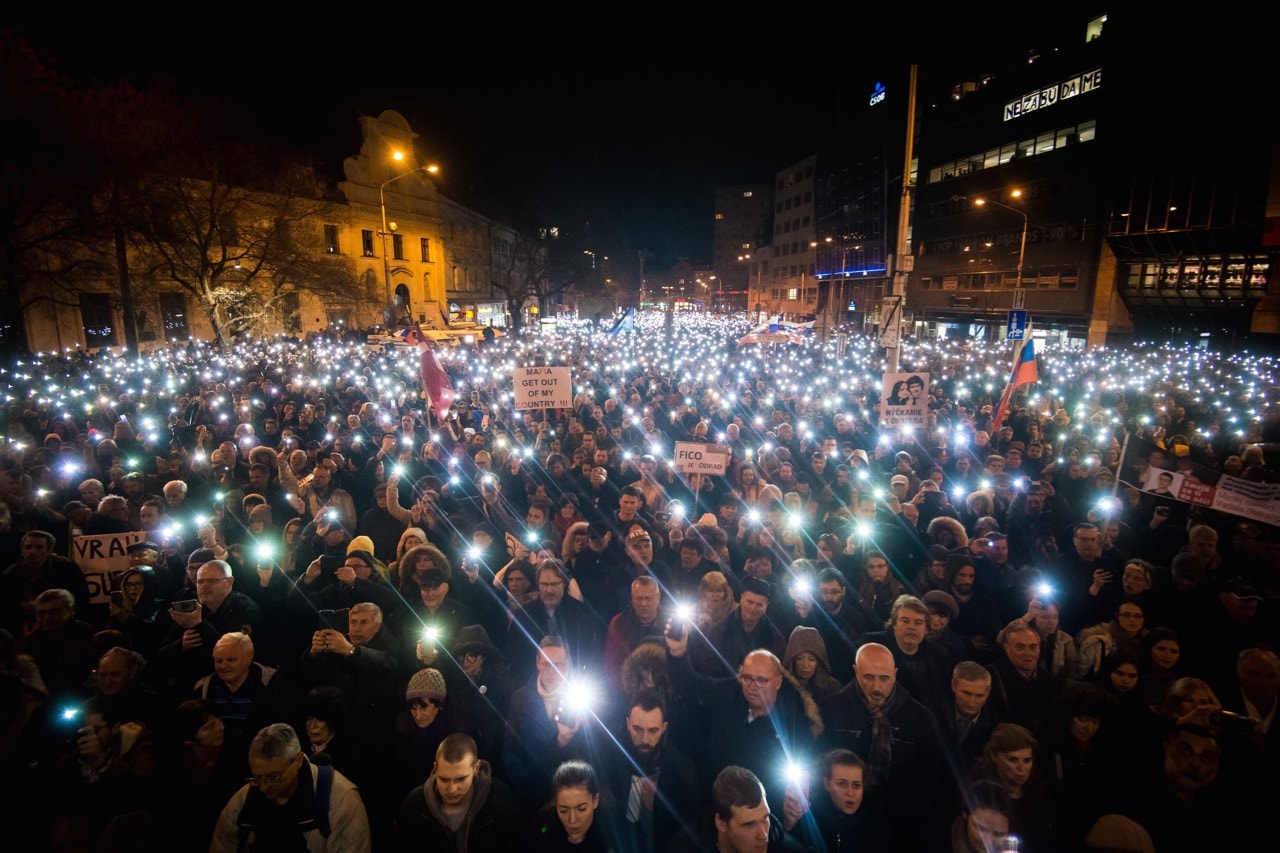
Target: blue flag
(626, 323)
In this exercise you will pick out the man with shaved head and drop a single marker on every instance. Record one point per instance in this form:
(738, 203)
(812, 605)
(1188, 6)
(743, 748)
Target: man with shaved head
(877, 719)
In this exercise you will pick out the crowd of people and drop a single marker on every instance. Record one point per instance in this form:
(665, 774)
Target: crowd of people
(340, 616)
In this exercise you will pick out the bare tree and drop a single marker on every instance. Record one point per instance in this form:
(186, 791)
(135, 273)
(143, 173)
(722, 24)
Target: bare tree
(239, 227)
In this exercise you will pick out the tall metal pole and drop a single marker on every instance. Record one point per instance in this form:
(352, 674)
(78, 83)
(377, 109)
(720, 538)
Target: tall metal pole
(1022, 247)
(386, 263)
(382, 203)
(900, 264)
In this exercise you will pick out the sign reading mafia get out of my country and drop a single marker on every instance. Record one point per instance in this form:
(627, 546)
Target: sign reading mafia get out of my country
(904, 400)
(695, 457)
(542, 388)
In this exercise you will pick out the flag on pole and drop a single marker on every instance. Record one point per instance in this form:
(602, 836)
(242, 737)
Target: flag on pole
(436, 384)
(1024, 371)
(626, 323)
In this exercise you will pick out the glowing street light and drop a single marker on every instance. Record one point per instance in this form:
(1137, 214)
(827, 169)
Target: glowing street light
(382, 203)
(1022, 246)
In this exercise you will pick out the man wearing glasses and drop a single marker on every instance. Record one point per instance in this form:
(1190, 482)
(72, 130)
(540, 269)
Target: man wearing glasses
(1083, 577)
(757, 718)
(282, 805)
(187, 652)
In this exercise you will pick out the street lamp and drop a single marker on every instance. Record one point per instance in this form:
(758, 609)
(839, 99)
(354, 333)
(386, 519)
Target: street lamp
(745, 259)
(1022, 246)
(382, 203)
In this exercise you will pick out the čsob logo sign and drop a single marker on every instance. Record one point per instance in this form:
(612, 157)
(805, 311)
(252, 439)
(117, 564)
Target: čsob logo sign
(877, 94)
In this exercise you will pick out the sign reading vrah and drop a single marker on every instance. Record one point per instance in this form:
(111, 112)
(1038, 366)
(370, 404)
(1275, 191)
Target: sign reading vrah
(542, 388)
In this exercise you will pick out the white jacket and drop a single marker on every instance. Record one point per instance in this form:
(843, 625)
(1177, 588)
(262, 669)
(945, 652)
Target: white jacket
(348, 822)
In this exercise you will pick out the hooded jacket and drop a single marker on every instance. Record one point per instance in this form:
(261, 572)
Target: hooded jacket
(806, 639)
(493, 820)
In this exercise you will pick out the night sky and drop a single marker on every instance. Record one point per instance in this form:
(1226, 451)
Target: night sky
(618, 137)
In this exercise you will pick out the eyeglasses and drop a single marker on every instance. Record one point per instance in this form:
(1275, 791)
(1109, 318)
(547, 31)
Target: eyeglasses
(757, 680)
(271, 779)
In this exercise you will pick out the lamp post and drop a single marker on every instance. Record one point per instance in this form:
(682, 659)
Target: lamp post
(1022, 246)
(745, 259)
(382, 203)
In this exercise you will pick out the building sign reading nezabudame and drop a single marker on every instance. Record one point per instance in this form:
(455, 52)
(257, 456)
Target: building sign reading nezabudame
(1087, 81)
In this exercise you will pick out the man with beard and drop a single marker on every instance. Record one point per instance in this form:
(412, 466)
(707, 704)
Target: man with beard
(1187, 803)
(654, 785)
(841, 621)
(878, 720)
(978, 619)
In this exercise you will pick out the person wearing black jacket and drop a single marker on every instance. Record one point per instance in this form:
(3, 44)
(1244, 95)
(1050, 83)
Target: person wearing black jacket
(847, 815)
(461, 807)
(876, 718)
(739, 821)
(758, 718)
(356, 581)
(654, 784)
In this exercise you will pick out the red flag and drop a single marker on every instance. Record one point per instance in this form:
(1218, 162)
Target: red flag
(436, 383)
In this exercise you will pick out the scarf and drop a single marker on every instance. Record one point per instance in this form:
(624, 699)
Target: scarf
(880, 756)
(550, 698)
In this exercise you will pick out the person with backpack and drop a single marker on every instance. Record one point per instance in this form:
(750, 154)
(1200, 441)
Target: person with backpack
(289, 798)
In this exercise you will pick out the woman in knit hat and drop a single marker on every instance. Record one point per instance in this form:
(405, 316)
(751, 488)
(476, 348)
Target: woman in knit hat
(411, 538)
(427, 719)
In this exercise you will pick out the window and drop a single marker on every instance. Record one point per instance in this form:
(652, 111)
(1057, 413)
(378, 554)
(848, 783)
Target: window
(290, 310)
(793, 293)
(99, 320)
(425, 245)
(397, 246)
(366, 243)
(331, 239)
(173, 315)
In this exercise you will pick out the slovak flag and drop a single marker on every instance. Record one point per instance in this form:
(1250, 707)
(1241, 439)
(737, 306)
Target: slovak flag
(1024, 371)
(436, 384)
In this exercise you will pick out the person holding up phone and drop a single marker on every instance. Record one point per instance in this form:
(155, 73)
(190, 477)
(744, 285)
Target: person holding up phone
(187, 652)
(354, 580)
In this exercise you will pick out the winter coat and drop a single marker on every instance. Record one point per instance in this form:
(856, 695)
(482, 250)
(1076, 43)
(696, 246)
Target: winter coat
(805, 639)
(348, 822)
(493, 821)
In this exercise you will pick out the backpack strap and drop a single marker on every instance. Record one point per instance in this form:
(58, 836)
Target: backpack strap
(324, 785)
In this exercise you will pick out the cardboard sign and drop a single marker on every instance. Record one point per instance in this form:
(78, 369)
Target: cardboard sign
(542, 388)
(102, 557)
(693, 457)
(904, 400)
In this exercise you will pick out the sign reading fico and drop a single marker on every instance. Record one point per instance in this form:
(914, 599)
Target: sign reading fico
(542, 388)
(693, 457)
